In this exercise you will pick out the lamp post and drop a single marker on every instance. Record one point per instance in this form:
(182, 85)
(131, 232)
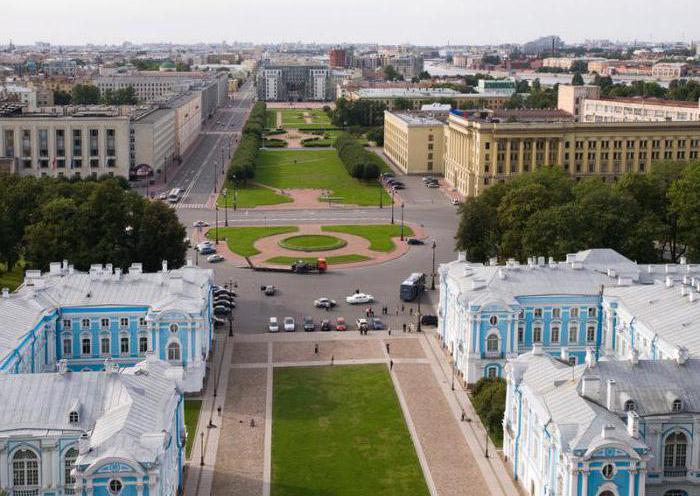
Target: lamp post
(392, 206)
(201, 458)
(222, 160)
(216, 173)
(420, 295)
(235, 195)
(401, 221)
(225, 193)
(432, 284)
(230, 325)
(381, 190)
(486, 452)
(216, 228)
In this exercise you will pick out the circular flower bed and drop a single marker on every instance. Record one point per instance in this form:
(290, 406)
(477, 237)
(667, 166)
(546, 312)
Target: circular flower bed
(312, 242)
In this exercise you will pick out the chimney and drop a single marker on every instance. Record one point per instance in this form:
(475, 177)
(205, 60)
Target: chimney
(590, 357)
(165, 266)
(190, 263)
(669, 281)
(84, 444)
(55, 268)
(611, 403)
(540, 261)
(118, 274)
(590, 387)
(612, 273)
(5, 292)
(501, 274)
(462, 256)
(493, 261)
(684, 291)
(691, 295)
(633, 424)
(650, 269)
(670, 268)
(564, 354)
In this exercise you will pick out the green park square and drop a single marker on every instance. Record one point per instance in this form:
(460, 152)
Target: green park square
(339, 430)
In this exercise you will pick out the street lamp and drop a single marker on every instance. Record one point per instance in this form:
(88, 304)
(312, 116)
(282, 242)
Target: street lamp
(392, 205)
(235, 195)
(216, 228)
(401, 221)
(216, 172)
(486, 453)
(225, 193)
(381, 190)
(432, 284)
(420, 294)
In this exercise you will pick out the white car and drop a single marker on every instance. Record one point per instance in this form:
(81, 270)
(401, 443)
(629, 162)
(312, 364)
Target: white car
(204, 244)
(273, 326)
(200, 223)
(324, 303)
(163, 196)
(362, 324)
(289, 324)
(455, 201)
(215, 258)
(359, 298)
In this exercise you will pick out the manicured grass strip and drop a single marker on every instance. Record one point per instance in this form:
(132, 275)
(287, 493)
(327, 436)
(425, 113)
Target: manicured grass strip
(241, 240)
(251, 196)
(192, 408)
(13, 278)
(312, 242)
(340, 431)
(316, 169)
(378, 235)
(271, 119)
(335, 260)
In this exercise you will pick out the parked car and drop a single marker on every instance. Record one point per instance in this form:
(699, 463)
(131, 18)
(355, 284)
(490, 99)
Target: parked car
(223, 296)
(215, 258)
(362, 324)
(387, 174)
(268, 290)
(200, 223)
(225, 304)
(204, 244)
(398, 186)
(454, 201)
(273, 326)
(221, 310)
(309, 324)
(289, 324)
(219, 290)
(429, 320)
(376, 324)
(324, 303)
(325, 325)
(163, 196)
(427, 179)
(415, 241)
(340, 324)
(433, 185)
(207, 250)
(359, 298)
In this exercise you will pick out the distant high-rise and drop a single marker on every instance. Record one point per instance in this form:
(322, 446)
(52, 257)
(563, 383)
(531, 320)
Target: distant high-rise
(339, 58)
(546, 44)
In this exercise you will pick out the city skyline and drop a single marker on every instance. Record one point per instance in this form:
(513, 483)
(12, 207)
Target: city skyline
(76, 22)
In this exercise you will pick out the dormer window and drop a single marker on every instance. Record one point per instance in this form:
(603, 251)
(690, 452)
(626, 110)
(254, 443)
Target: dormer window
(677, 406)
(73, 417)
(630, 406)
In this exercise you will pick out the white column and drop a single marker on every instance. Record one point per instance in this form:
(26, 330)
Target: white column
(632, 474)
(4, 470)
(584, 482)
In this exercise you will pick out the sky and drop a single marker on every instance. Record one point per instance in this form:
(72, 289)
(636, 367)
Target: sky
(424, 22)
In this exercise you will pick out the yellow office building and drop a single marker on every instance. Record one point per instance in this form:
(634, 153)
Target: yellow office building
(413, 141)
(481, 150)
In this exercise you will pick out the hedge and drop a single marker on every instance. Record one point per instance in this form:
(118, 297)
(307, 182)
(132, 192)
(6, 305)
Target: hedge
(242, 164)
(359, 163)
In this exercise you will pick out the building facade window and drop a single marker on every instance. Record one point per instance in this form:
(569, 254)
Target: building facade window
(104, 322)
(492, 343)
(124, 345)
(590, 334)
(68, 465)
(143, 345)
(608, 471)
(573, 334)
(124, 322)
(67, 346)
(25, 473)
(115, 486)
(675, 451)
(493, 320)
(555, 334)
(85, 346)
(105, 348)
(537, 334)
(173, 352)
(538, 313)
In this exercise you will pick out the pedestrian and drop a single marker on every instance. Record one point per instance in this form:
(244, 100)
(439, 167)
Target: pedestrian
(390, 331)
(316, 348)
(367, 312)
(410, 311)
(397, 311)
(404, 327)
(391, 364)
(388, 348)
(402, 308)
(218, 409)
(332, 359)
(464, 416)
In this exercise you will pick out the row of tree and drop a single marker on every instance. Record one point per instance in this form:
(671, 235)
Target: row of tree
(646, 217)
(357, 113)
(85, 221)
(489, 400)
(87, 94)
(242, 166)
(359, 162)
(678, 89)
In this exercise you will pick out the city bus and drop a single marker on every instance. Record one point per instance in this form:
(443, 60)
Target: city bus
(174, 195)
(413, 286)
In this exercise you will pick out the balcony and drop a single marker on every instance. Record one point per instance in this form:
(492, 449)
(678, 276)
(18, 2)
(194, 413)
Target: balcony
(675, 472)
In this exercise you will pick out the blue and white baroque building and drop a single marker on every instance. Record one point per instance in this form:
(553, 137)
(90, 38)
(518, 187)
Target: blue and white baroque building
(602, 360)
(93, 371)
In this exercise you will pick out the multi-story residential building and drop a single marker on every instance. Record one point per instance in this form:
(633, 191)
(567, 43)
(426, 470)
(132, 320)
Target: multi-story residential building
(340, 58)
(85, 318)
(413, 141)
(294, 83)
(603, 428)
(188, 120)
(460, 60)
(114, 432)
(153, 141)
(482, 149)
(586, 105)
(596, 299)
(418, 96)
(60, 67)
(408, 65)
(669, 70)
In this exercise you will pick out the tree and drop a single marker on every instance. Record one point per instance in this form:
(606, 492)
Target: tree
(424, 75)
(61, 97)
(377, 135)
(489, 400)
(684, 197)
(402, 104)
(391, 74)
(577, 80)
(168, 244)
(54, 235)
(85, 94)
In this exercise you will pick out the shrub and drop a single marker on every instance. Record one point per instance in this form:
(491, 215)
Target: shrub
(489, 400)
(358, 162)
(242, 164)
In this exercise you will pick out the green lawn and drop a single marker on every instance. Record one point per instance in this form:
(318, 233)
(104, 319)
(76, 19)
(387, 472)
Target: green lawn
(192, 408)
(271, 119)
(379, 235)
(312, 242)
(294, 119)
(340, 431)
(334, 260)
(13, 278)
(241, 240)
(251, 196)
(317, 169)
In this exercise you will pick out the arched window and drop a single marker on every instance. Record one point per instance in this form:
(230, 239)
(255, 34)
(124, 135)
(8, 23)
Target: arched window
(492, 343)
(86, 346)
(590, 334)
(630, 406)
(68, 465)
(537, 334)
(606, 493)
(492, 372)
(675, 451)
(173, 328)
(25, 472)
(124, 345)
(677, 406)
(67, 346)
(174, 352)
(105, 347)
(675, 492)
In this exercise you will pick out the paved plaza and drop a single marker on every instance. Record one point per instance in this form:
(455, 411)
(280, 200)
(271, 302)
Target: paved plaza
(451, 452)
